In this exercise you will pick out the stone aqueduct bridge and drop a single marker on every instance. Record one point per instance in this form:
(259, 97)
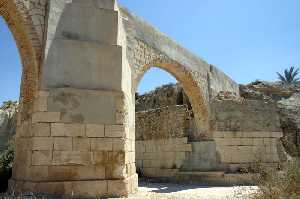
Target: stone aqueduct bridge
(82, 61)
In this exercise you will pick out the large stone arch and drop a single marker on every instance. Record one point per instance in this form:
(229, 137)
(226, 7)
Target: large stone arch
(190, 86)
(80, 138)
(25, 21)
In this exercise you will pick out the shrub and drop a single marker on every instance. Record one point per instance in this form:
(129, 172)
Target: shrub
(6, 160)
(274, 184)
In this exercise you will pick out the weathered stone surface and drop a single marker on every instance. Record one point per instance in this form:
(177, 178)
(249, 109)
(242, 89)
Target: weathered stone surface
(91, 63)
(167, 95)
(84, 106)
(248, 115)
(71, 158)
(290, 123)
(88, 74)
(94, 130)
(164, 123)
(69, 130)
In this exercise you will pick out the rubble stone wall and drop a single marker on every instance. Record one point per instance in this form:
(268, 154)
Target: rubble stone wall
(163, 123)
(167, 95)
(161, 140)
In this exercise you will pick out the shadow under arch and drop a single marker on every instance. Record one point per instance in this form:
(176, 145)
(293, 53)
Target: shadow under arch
(192, 90)
(20, 24)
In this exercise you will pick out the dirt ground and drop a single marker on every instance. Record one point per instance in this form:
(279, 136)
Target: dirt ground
(181, 191)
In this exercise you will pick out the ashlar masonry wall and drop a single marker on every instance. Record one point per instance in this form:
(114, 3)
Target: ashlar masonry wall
(161, 141)
(247, 132)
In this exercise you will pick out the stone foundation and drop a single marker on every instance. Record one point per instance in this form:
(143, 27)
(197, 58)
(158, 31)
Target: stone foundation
(161, 158)
(59, 152)
(240, 150)
(84, 189)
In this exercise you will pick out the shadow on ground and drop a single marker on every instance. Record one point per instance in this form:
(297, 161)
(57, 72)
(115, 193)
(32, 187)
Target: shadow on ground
(171, 187)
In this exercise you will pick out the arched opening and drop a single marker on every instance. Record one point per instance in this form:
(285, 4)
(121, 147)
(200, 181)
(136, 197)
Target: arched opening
(193, 93)
(20, 55)
(27, 41)
(10, 82)
(164, 124)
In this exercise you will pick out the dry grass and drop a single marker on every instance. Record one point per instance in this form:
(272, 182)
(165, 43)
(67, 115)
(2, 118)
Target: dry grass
(275, 184)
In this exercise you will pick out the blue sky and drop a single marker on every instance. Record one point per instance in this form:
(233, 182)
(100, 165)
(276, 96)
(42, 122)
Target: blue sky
(247, 39)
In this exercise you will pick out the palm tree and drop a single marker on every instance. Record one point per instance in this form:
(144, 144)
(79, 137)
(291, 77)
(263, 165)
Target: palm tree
(290, 76)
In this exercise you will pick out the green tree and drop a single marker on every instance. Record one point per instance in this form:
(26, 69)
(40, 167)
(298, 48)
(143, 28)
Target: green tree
(289, 76)
(8, 105)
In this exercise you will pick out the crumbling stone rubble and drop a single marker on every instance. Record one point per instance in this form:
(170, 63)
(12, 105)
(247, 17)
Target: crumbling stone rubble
(287, 99)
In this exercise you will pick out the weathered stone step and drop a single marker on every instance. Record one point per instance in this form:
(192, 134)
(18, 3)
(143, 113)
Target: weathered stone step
(215, 178)
(203, 174)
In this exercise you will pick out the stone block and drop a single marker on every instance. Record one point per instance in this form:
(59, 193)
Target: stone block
(90, 188)
(260, 134)
(84, 29)
(180, 155)
(166, 173)
(120, 118)
(40, 104)
(120, 144)
(117, 188)
(95, 66)
(23, 144)
(276, 134)
(130, 157)
(139, 156)
(38, 173)
(258, 141)
(150, 172)
(115, 131)
(104, 4)
(131, 169)
(41, 130)
(183, 147)
(139, 164)
(52, 188)
(42, 93)
(81, 144)
(246, 141)
(63, 144)
(267, 141)
(24, 130)
(68, 130)
(71, 173)
(164, 155)
(42, 143)
(22, 163)
(94, 130)
(140, 147)
(146, 163)
(218, 134)
(100, 158)
(116, 171)
(168, 164)
(41, 158)
(101, 144)
(71, 158)
(78, 105)
(117, 157)
(47, 117)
